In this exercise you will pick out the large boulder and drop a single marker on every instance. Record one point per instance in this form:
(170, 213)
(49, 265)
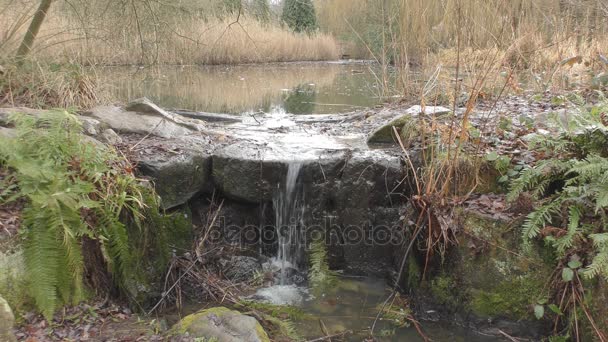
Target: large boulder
(253, 172)
(370, 178)
(221, 324)
(7, 320)
(177, 178)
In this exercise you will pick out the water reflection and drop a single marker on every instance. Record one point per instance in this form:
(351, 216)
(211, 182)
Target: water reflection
(301, 100)
(299, 88)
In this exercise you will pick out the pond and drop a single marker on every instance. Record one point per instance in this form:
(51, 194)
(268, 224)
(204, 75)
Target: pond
(297, 88)
(353, 305)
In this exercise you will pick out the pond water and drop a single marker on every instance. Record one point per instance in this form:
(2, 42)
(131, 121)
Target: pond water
(353, 305)
(297, 88)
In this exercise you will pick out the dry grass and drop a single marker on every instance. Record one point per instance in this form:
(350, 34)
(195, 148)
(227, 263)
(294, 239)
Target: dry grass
(152, 35)
(40, 86)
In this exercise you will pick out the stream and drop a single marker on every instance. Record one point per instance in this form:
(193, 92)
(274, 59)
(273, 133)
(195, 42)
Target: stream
(295, 88)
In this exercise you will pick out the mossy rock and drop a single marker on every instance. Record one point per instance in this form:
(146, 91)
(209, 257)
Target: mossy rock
(407, 125)
(7, 320)
(385, 134)
(170, 234)
(14, 280)
(489, 274)
(221, 324)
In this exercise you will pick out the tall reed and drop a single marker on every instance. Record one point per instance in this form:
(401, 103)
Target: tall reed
(144, 32)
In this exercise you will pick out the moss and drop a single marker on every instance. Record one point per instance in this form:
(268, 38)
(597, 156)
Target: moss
(165, 234)
(489, 274)
(280, 311)
(186, 322)
(446, 291)
(414, 273)
(512, 299)
(384, 134)
(197, 323)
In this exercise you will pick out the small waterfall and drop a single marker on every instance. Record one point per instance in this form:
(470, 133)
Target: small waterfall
(289, 209)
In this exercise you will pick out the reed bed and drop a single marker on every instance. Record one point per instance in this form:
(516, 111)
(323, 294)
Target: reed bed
(157, 36)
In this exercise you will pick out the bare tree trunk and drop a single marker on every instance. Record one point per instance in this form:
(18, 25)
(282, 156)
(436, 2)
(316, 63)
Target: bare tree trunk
(32, 31)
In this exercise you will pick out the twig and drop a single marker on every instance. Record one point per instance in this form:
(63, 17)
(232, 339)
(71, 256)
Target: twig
(324, 338)
(147, 135)
(511, 338)
(166, 293)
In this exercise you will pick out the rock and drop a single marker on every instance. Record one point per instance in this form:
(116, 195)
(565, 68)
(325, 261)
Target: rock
(427, 110)
(211, 117)
(370, 179)
(240, 268)
(7, 320)
(5, 113)
(221, 324)
(407, 122)
(252, 173)
(141, 123)
(7, 132)
(490, 279)
(385, 134)
(108, 136)
(177, 179)
(90, 126)
(143, 105)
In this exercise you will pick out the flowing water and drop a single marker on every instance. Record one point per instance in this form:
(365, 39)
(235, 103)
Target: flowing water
(353, 303)
(297, 88)
(288, 209)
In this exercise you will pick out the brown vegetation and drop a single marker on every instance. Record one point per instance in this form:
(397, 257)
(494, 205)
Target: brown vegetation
(150, 32)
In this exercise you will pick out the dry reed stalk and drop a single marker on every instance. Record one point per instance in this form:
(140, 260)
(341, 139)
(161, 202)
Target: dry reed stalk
(186, 39)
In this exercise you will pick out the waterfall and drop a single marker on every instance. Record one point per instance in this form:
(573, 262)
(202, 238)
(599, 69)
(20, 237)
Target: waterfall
(288, 208)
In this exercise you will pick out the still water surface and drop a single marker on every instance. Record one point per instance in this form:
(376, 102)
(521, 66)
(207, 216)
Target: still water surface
(297, 88)
(353, 305)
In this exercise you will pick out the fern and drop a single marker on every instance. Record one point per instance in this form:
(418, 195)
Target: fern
(538, 219)
(319, 275)
(74, 190)
(599, 264)
(577, 157)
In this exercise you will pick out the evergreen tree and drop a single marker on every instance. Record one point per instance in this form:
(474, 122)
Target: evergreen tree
(260, 10)
(300, 15)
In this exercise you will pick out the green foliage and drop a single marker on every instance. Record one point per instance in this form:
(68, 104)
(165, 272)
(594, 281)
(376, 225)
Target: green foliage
(572, 186)
(300, 15)
(75, 190)
(260, 9)
(321, 278)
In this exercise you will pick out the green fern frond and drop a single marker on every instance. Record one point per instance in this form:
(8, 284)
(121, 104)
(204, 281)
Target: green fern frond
(319, 275)
(538, 219)
(567, 241)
